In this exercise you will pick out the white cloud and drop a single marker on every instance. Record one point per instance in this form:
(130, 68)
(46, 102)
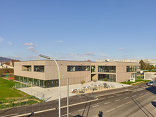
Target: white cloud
(31, 47)
(122, 49)
(60, 41)
(1, 39)
(28, 44)
(10, 43)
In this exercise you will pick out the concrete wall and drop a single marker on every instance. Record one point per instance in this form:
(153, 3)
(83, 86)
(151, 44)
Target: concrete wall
(51, 72)
(149, 75)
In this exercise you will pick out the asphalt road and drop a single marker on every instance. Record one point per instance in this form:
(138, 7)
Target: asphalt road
(126, 102)
(134, 103)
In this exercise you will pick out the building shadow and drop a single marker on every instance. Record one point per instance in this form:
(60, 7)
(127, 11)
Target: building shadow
(154, 103)
(78, 116)
(152, 89)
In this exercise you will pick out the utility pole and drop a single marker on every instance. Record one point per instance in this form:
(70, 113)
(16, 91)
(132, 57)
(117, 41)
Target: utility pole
(67, 97)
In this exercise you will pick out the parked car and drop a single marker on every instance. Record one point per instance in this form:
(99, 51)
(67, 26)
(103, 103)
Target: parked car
(151, 83)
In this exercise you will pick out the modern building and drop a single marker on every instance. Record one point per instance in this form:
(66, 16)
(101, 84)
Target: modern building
(149, 75)
(44, 72)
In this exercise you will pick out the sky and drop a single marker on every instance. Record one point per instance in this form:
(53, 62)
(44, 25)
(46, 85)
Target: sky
(78, 29)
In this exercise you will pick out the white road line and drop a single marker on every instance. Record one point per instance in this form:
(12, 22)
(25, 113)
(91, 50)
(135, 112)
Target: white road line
(121, 105)
(142, 96)
(110, 110)
(126, 97)
(128, 102)
(9, 115)
(107, 103)
(114, 108)
(117, 100)
(37, 112)
(95, 106)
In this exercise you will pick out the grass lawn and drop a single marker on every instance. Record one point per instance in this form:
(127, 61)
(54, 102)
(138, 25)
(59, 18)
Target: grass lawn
(137, 81)
(11, 97)
(7, 90)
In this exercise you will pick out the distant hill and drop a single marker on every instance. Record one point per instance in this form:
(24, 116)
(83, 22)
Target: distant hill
(3, 59)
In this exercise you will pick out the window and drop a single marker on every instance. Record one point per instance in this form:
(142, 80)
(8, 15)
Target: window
(39, 68)
(107, 77)
(26, 68)
(131, 68)
(110, 69)
(78, 68)
(93, 69)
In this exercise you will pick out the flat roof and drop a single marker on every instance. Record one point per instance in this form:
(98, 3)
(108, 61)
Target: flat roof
(83, 61)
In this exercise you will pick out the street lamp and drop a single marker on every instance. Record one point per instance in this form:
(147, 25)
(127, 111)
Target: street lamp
(50, 58)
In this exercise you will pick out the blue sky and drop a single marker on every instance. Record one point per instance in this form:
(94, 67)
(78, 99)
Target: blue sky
(78, 29)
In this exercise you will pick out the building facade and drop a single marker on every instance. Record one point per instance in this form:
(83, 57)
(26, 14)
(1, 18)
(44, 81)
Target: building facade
(150, 75)
(44, 72)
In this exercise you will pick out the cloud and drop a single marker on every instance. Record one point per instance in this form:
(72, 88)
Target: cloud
(122, 48)
(59, 41)
(1, 39)
(10, 43)
(31, 47)
(28, 44)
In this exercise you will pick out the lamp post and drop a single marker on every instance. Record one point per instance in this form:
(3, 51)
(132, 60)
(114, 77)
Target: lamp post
(50, 58)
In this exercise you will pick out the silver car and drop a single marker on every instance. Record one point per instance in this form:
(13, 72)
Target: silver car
(151, 83)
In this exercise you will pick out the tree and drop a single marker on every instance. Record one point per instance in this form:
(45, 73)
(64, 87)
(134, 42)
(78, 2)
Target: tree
(146, 66)
(142, 65)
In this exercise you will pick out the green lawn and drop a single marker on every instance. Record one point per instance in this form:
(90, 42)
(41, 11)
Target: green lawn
(11, 97)
(138, 81)
(7, 90)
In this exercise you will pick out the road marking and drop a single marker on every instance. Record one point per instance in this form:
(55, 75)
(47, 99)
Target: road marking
(114, 108)
(141, 96)
(82, 110)
(110, 110)
(126, 97)
(107, 103)
(117, 100)
(95, 106)
(128, 102)
(47, 110)
(9, 115)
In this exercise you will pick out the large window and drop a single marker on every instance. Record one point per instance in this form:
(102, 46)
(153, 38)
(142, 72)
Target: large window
(26, 67)
(107, 77)
(110, 69)
(38, 68)
(93, 69)
(131, 68)
(78, 68)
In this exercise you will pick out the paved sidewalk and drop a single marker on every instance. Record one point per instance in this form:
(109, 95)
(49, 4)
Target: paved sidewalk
(49, 94)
